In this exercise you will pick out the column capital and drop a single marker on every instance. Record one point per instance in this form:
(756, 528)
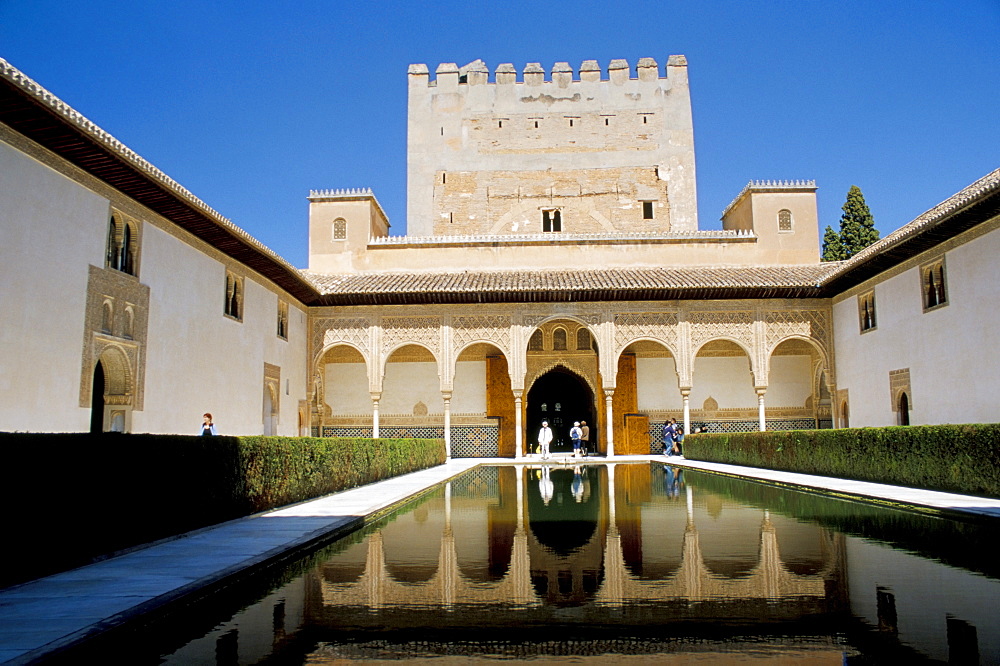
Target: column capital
(761, 390)
(609, 392)
(446, 395)
(376, 395)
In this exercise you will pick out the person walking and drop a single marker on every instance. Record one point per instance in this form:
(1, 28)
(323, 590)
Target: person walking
(668, 437)
(575, 434)
(544, 440)
(584, 438)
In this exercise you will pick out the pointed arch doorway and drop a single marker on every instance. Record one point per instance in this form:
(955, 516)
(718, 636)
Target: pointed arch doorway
(561, 397)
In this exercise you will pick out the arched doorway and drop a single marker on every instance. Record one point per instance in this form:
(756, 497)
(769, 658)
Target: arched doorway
(904, 410)
(561, 397)
(97, 400)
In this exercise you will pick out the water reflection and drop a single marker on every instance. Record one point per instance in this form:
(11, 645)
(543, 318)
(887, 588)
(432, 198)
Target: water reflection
(626, 559)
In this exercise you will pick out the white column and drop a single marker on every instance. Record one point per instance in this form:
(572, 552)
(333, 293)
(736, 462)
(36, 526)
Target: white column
(447, 423)
(375, 398)
(686, 395)
(610, 418)
(518, 435)
(760, 408)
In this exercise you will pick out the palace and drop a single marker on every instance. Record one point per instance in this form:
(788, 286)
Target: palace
(553, 268)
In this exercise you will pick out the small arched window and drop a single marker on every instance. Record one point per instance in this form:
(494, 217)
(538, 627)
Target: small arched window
(559, 339)
(111, 258)
(234, 296)
(935, 293)
(129, 322)
(128, 250)
(340, 229)
(784, 220)
(583, 339)
(107, 317)
(535, 341)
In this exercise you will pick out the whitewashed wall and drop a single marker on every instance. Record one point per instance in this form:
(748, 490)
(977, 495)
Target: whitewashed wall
(952, 352)
(52, 229)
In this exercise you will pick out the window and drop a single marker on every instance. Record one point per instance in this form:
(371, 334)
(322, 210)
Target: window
(122, 248)
(866, 311)
(551, 220)
(583, 339)
(784, 220)
(559, 339)
(934, 290)
(129, 322)
(282, 320)
(535, 342)
(647, 210)
(339, 229)
(107, 316)
(234, 296)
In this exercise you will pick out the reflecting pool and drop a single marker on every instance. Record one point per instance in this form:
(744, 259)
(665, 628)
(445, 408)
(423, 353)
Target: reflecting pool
(631, 562)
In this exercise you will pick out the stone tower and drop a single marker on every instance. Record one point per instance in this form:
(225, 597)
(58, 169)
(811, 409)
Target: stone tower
(561, 152)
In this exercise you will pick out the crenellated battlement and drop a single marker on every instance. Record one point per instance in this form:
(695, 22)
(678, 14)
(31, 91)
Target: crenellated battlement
(562, 74)
(341, 193)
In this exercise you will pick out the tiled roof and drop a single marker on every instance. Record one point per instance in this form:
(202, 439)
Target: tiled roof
(572, 285)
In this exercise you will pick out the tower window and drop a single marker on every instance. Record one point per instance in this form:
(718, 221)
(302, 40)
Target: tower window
(552, 220)
(559, 339)
(339, 229)
(784, 220)
(535, 341)
(647, 210)
(123, 246)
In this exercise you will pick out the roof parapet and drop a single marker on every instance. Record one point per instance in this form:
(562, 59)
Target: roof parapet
(771, 186)
(562, 74)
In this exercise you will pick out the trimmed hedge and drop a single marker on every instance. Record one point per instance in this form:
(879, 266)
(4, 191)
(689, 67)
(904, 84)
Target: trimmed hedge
(953, 458)
(75, 498)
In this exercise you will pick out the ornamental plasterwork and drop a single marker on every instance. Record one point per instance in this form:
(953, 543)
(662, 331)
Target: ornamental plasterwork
(632, 326)
(467, 329)
(398, 331)
(705, 326)
(782, 324)
(583, 366)
(353, 330)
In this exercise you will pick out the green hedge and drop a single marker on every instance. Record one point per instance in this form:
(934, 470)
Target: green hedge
(954, 458)
(74, 498)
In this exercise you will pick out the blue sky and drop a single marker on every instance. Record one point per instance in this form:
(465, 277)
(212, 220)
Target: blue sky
(249, 105)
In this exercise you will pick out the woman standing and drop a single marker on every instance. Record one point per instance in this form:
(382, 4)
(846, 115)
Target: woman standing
(207, 427)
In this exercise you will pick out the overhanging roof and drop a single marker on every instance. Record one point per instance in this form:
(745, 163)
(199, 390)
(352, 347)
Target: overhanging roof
(39, 115)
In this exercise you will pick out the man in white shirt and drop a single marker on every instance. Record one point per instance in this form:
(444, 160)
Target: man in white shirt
(544, 439)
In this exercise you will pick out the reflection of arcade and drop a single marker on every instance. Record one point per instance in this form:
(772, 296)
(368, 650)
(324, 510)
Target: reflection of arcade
(579, 546)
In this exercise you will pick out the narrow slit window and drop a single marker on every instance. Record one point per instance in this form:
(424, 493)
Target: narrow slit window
(647, 210)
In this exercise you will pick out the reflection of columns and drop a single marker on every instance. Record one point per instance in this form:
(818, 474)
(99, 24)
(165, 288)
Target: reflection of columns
(518, 434)
(613, 589)
(610, 419)
(690, 503)
(686, 396)
(770, 558)
(376, 396)
(760, 407)
(447, 558)
(520, 560)
(447, 423)
(375, 574)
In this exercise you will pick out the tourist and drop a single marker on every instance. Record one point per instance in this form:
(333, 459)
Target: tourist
(584, 438)
(678, 440)
(575, 433)
(577, 487)
(207, 427)
(544, 440)
(668, 437)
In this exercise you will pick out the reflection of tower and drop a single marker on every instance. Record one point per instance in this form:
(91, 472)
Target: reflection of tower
(565, 538)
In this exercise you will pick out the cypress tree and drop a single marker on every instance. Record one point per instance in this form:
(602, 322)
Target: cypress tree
(857, 227)
(833, 247)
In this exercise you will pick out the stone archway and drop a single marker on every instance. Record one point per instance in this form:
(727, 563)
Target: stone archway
(97, 400)
(562, 397)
